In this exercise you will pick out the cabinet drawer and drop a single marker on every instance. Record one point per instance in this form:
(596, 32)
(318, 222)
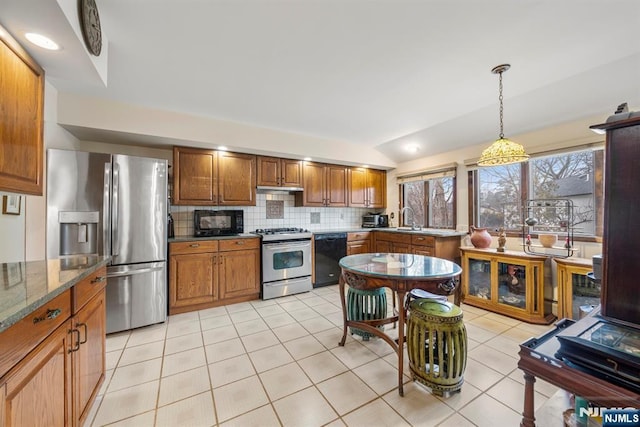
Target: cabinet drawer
(394, 237)
(86, 289)
(239, 244)
(361, 235)
(423, 240)
(25, 335)
(193, 247)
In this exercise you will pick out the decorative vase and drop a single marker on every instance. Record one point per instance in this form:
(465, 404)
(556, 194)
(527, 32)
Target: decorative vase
(480, 237)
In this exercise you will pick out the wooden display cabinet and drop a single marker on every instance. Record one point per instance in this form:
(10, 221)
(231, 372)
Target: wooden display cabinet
(510, 283)
(575, 289)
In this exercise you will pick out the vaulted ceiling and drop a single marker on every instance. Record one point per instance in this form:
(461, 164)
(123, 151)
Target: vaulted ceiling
(377, 73)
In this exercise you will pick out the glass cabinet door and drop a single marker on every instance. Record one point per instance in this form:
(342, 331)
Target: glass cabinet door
(512, 284)
(584, 292)
(480, 278)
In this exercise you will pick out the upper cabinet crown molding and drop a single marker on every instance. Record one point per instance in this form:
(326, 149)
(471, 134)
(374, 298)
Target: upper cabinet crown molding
(21, 119)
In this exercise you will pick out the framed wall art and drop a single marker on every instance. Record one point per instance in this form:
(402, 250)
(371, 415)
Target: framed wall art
(11, 205)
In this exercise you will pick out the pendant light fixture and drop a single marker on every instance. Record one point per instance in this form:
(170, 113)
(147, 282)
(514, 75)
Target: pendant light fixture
(503, 151)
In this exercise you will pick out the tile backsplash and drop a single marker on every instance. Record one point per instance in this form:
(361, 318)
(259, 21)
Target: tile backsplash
(256, 216)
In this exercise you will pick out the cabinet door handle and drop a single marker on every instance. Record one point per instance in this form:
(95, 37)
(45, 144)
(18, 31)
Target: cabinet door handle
(194, 245)
(84, 326)
(420, 238)
(240, 242)
(51, 314)
(99, 279)
(76, 346)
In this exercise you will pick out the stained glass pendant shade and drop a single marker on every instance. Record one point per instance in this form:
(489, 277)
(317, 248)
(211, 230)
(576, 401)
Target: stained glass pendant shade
(503, 151)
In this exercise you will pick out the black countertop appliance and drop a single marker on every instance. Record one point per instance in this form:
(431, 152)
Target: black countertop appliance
(329, 248)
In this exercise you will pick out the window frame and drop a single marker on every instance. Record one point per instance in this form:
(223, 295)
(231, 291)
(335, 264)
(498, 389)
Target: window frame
(427, 203)
(598, 194)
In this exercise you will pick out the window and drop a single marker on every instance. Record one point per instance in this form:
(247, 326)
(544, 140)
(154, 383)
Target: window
(499, 192)
(432, 202)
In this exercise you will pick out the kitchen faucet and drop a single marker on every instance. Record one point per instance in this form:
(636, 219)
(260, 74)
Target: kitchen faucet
(414, 227)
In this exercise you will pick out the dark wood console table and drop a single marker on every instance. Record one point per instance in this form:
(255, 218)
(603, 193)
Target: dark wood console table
(400, 273)
(538, 359)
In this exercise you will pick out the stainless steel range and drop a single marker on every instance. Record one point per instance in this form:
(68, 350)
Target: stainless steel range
(286, 261)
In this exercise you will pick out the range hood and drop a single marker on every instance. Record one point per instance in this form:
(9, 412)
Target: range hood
(270, 189)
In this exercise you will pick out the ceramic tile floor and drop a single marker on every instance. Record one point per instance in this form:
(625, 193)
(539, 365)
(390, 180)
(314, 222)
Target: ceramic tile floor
(277, 362)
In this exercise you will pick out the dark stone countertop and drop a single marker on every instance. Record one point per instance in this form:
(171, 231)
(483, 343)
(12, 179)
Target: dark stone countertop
(26, 286)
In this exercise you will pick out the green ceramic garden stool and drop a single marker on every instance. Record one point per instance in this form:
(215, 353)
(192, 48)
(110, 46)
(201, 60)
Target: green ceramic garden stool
(437, 345)
(366, 305)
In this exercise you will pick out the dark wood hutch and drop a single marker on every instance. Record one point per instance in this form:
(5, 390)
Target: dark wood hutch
(542, 357)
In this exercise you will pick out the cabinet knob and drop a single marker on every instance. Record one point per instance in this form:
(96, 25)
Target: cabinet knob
(99, 279)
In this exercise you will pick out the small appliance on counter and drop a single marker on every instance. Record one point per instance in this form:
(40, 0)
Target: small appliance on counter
(374, 220)
(208, 223)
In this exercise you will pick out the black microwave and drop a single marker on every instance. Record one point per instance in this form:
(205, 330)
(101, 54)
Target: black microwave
(217, 223)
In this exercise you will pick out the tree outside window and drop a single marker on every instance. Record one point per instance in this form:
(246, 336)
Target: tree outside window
(432, 202)
(577, 176)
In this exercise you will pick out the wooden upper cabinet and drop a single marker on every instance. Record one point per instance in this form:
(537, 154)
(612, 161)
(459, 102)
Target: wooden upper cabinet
(277, 172)
(208, 177)
(367, 188)
(237, 179)
(195, 175)
(337, 185)
(21, 119)
(324, 185)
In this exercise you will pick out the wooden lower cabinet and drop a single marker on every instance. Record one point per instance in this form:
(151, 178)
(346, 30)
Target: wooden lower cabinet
(391, 242)
(359, 243)
(446, 247)
(510, 283)
(56, 382)
(88, 360)
(239, 274)
(208, 273)
(196, 279)
(38, 390)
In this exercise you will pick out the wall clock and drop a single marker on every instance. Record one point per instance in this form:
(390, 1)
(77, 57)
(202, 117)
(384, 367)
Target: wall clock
(90, 24)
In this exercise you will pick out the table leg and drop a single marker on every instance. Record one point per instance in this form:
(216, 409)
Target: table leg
(528, 417)
(344, 311)
(401, 314)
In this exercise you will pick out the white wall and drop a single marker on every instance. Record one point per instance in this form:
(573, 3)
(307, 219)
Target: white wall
(12, 230)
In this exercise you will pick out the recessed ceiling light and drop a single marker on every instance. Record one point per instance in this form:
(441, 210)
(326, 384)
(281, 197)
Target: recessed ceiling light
(365, 166)
(222, 148)
(42, 41)
(307, 159)
(412, 148)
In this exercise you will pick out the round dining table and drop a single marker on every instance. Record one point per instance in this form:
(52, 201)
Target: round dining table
(401, 273)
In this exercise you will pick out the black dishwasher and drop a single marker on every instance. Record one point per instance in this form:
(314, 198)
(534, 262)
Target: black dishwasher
(329, 248)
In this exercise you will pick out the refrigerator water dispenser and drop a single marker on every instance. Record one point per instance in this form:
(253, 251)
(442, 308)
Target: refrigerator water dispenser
(78, 232)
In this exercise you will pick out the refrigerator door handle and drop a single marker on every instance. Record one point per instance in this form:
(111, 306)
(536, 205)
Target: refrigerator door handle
(134, 272)
(115, 239)
(106, 211)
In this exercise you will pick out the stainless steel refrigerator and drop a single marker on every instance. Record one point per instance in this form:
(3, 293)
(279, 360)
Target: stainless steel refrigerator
(102, 204)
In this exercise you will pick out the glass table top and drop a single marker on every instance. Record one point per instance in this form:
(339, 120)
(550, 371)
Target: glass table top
(405, 266)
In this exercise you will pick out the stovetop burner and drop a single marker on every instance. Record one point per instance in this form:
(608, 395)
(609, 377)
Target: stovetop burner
(285, 233)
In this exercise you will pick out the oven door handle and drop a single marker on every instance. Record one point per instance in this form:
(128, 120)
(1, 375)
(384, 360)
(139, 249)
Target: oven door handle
(284, 247)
